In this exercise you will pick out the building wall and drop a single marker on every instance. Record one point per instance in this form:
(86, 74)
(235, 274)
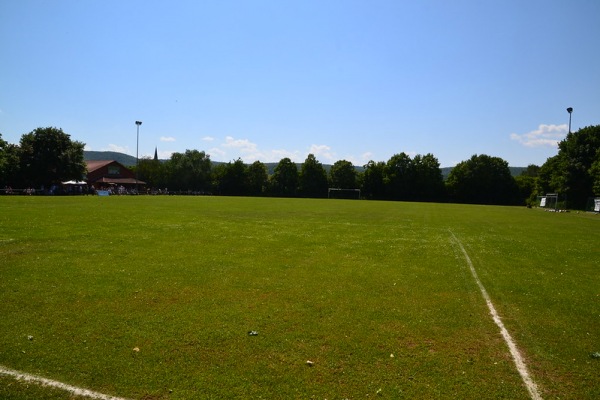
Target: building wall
(111, 170)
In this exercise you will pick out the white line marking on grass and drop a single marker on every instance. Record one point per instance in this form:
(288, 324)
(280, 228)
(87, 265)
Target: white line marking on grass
(514, 351)
(22, 376)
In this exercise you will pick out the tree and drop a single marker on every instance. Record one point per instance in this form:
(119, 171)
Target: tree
(373, 183)
(49, 156)
(527, 183)
(313, 178)
(527, 189)
(343, 175)
(258, 178)
(399, 177)
(578, 152)
(595, 174)
(532, 170)
(231, 179)
(572, 172)
(153, 172)
(482, 180)
(190, 171)
(9, 164)
(284, 181)
(427, 179)
(551, 177)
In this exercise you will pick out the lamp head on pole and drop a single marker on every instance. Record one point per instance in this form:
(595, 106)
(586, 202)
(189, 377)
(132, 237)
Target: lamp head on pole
(138, 123)
(569, 110)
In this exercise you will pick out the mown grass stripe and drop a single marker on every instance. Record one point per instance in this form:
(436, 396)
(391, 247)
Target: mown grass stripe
(514, 350)
(77, 391)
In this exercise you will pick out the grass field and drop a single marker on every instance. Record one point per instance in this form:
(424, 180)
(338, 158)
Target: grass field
(153, 298)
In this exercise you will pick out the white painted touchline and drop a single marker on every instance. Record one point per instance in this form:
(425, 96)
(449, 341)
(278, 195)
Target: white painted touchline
(514, 351)
(59, 385)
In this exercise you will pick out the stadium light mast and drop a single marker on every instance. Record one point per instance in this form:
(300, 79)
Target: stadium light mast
(570, 111)
(137, 160)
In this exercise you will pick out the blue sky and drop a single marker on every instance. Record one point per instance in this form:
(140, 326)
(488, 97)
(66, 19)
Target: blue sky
(263, 80)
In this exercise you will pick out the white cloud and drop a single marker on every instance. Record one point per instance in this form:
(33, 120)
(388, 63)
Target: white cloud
(167, 139)
(277, 155)
(323, 153)
(248, 151)
(363, 159)
(358, 161)
(118, 149)
(243, 145)
(545, 135)
(208, 139)
(164, 155)
(216, 152)
(242, 148)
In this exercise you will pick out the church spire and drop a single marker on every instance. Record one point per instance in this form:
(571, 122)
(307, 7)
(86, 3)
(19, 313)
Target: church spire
(156, 154)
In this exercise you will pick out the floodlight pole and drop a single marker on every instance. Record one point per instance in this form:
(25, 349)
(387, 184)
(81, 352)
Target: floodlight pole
(570, 111)
(137, 160)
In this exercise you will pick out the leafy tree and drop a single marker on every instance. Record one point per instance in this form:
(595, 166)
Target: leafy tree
(373, 180)
(9, 164)
(153, 172)
(427, 179)
(343, 175)
(258, 178)
(482, 180)
(551, 177)
(532, 170)
(399, 177)
(595, 174)
(527, 189)
(313, 178)
(284, 181)
(189, 171)
(49, 156)
(527, 183)
(572, 172)
(579, 151)
(231, 178)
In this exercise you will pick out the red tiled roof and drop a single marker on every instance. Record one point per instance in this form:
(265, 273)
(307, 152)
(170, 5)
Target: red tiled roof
(96, 164)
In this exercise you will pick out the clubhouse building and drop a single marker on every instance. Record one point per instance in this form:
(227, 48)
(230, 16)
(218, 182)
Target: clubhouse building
(109, 173)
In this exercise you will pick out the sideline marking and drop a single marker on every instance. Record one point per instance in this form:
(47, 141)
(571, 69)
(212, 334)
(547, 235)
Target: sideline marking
(514, 351)
(22, 376)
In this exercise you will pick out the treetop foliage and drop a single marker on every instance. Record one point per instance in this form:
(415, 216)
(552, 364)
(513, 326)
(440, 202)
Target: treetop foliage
(575, 170)
(482, 180)
(44, 157)
(47, 156)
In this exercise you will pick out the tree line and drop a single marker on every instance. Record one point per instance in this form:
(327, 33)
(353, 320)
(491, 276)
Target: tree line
(47, 156)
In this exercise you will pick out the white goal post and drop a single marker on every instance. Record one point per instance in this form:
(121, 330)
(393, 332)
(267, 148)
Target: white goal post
(549, 201)
(337, 193)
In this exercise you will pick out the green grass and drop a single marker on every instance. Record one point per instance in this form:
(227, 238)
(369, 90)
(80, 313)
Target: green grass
(345, 284)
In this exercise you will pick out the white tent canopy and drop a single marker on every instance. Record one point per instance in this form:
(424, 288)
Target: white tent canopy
(74, 183)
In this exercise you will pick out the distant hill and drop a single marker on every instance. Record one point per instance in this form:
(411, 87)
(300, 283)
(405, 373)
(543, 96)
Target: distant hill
(124, 159)
(129, 161)
(516, 171)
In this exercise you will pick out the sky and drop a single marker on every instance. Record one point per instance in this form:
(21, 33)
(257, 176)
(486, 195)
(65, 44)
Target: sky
(267, 79)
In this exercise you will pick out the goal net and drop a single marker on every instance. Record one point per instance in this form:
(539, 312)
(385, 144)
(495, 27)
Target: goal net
(593, 204)
(336, 193)
(549, 201)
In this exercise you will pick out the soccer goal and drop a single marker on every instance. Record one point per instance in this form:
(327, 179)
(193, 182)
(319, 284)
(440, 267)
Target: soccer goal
(336, 193)
(593, 205)
(549, 201)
